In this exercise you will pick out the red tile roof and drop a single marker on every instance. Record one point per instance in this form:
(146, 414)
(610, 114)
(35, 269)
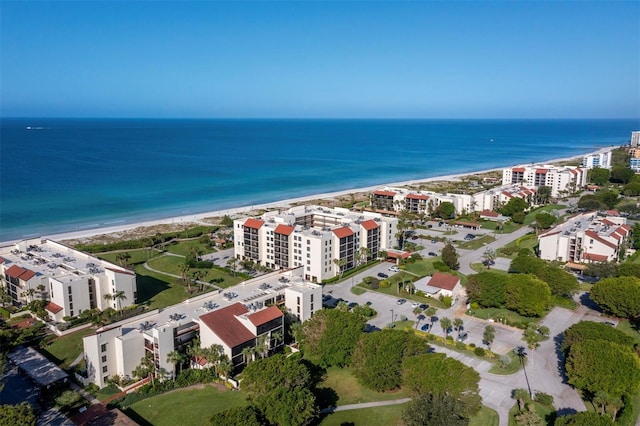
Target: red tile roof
(265, 315)
(253, 223)
(489, 213)
(613, 213)
(507, 194)
(225, 325)
(573, 172)
(21, 273)
(2, 260)
(385, 193)
(369, 224)
(542, 171)
(607, 222)
(595, 257)
(284, 230)
(53, 308)
(418, 197)
(444, 281)
(597, 237)
(345, 231)
(518, 169)
(395, 255)
(627, 227)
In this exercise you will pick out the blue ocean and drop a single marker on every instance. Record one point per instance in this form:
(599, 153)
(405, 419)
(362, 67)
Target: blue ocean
(60, 175)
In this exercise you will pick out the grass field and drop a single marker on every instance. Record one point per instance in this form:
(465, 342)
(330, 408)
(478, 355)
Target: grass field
(476, 243)
(389, 415)
(510, 368)
(172, 265)
(184, 247)
(350, 391)
(485, 417)
(138, 256)
(67, 348)
(192, 406)
(497, 313)
(531, 216)
(507, 228)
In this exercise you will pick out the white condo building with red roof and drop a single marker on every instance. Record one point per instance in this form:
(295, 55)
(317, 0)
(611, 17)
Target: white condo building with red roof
(71, 280)
(561, 179)
(312, 237)
(585, 238)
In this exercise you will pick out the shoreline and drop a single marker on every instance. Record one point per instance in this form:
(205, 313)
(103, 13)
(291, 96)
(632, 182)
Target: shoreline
(198, 218)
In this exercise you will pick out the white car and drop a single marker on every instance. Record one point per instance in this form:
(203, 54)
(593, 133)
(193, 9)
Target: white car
(415, 304)
(394, 269)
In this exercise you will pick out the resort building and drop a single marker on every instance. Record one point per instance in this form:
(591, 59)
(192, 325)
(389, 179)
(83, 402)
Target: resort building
(324, 241)
(392, 200)
(635, 139)
(72, 281)
(235, 319)
(561, 179)
(585, 238)
(602, 160)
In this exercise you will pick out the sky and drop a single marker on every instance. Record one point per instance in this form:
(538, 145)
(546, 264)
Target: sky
(305, 59)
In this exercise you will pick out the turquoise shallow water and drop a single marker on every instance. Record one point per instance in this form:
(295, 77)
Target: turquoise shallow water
(61, 175)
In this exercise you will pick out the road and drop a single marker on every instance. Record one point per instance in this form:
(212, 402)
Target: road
(543, 372)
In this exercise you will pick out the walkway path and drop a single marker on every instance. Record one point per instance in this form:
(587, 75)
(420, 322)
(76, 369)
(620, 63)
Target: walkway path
(365, 405)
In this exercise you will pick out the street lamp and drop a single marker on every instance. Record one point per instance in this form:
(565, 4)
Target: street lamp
(392, 315)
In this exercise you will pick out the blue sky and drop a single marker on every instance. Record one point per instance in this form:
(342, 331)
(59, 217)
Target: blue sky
(320, 59)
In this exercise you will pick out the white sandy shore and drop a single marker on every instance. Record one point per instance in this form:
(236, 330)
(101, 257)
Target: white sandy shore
(198, 218)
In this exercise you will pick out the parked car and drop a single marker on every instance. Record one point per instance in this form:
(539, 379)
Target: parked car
(383, 275)
(415, 237)
(431, 253)
(401, 301)
(394, 269)
(425, 327)
(469, 237)
(415, 305)
(463, 336)
(423, 306)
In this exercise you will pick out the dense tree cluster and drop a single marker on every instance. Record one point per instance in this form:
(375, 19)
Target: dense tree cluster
(560, 282)
(435, 410)
(614, 269)
(590, 330)
(281, 389)
(487, 289)
(527, 295)
(378, 357)
(599, 176)
(445, 210)
(584, 418)
(514, 209)
(330, 336)
(619, 296)
(601, 200)
(450, 256)
(21, 414)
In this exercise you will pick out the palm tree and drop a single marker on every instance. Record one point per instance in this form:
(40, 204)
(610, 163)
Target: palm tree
(521, 395)
(276, 336)
(224, 366)
(232, 262)
(184, 269)
(489, 256)
(340, 264)
(247, 354)
(176, 358)
(364, 254)
(118, 296)
(458, 324)
(107, 297)
(489, 335)
(430, 313)
(445, 323)
(262, 347)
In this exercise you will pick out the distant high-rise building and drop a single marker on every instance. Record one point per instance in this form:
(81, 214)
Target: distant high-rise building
(635, 139)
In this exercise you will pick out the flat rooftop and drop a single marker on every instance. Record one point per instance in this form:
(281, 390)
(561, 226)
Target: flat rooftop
(39, 368)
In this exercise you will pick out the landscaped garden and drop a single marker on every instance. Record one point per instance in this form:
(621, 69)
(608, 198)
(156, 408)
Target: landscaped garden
(67, 348)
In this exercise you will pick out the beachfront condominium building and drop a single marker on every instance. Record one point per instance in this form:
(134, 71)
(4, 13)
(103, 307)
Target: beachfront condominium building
(635, 139)
(585, 238)
(561, 179)
(390, 200)
(72, 281)
(324, 241)
(235, 319)
(599, 159)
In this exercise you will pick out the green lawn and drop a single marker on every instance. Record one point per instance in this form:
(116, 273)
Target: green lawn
(172, 265)
(627, 328)
(496, 313)
(358, 290)
(191, 406)
(507, 228)
(138, 256)
(349, 390)
(485, 417)
(184, 247)
(531, 216)
(529, 241)
(67, 348)
(476, 243)
(389, 415)
(511, 368)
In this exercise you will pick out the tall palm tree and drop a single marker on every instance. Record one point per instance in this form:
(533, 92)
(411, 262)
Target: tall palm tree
(176, 358)
(184, 270)
(457, 324)
(430, 313)
(247, 354)
(445, 323)
(489, 335)
(231, 263)
(107, 297)
(276, 336)
(224, 367)
(118, 296)
(262, 345)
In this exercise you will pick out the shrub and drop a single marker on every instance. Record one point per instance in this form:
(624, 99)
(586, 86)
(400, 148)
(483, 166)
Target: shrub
(472, 345)
(461, 346)
(375, 285)
(67, 399)
(385, 284)
(479, 352)
(474, 305)
(446, 301)
(543, 398)
(441, 266)
(450, 338)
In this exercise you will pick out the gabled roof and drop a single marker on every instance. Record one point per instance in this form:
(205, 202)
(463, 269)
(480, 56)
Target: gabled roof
(550, 233)
(284, 230)
(507, 194)
(265, 315)
(444, 281)
(343, 232)
(598, 238)
(417, 197)
(385, 193)
(253, 223)
(27, 275)
(53, 308)
(489, 213)
(595, 257)
(225, 325)
(395, 254)
(21, 273)
(369, 224)
(607, 222)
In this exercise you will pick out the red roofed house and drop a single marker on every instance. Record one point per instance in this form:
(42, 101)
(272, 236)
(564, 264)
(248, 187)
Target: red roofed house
(441, 284)
(236, 328)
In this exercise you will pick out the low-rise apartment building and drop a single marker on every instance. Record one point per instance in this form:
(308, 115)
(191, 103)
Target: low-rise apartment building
(585, 238)
(314, 237)
(235, 319)
(599, 159)
(392, 200)
(561, 179)
(71, 280)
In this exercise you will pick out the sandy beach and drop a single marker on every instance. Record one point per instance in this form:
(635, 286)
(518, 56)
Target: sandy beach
(235, 212)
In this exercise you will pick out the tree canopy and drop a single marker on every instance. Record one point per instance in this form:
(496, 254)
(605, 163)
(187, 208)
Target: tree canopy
(560, 282)
(446, 210)
(21, 414)
(435, 373)
(487, 289)
(238, 416)
(435, 410)
(527, 295)
(330, 336)
(599, 176)
(590, 330)
(450, 256)
(598, 365)
(619, 296)
(378, 357)
(584, 418)
(513, 206)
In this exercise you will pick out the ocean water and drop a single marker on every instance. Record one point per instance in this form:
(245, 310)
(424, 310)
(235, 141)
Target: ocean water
(59, 175)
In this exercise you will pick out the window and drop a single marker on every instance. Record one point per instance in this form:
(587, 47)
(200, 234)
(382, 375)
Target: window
(103, 347)
(104, 369)
(311, 299)
(298, 300)
(104, 358)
